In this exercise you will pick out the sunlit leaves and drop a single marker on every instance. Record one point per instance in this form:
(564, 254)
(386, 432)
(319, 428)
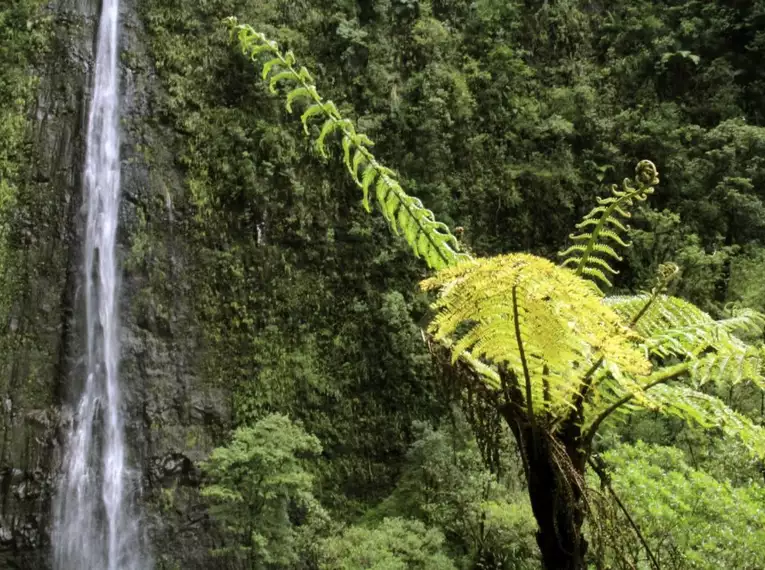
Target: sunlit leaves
(593, 257)
(690, 519)
(254, 480)
(564, 325)
(428, 239)
(673, 327)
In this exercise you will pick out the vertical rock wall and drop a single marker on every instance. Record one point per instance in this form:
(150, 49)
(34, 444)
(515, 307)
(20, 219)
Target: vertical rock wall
(172, 418)
(40, 340)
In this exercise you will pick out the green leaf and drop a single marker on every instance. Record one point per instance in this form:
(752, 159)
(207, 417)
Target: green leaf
(358, 160)
(296, 94)
(347, 154)
(614, 237)
(597, 274)
(279, 77)
(312, 111)
(269, 65)
(602, 224)
(426, 238)
(255, 50)
(366, 182)
(305, 75)
(329, 126)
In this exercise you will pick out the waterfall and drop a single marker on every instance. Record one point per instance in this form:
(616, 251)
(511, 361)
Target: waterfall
(94, 523)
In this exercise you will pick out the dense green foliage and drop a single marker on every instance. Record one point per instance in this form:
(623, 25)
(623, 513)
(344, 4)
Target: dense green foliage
(485, 515)
(428, 238)
(28, 212)
(507, 118)
(289, 282)
(690, 518)
(516, 319)
(255, 483)
(396, 544)
(20, 37)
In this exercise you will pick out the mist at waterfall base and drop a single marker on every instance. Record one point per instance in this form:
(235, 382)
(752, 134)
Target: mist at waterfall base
(95, 523)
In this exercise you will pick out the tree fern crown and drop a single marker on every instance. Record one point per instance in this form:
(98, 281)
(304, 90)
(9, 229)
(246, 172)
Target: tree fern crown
(519, 319)
(539, 320)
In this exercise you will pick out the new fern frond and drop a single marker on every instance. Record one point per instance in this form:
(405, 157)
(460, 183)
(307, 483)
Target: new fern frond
(593, 252)
(428, 238)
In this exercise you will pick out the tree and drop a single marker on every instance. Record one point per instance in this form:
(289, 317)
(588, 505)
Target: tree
(396, 544)
(542, 343)
(690, 518)
(258, 486)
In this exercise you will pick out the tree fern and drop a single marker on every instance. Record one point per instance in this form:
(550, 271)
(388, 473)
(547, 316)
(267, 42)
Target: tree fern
(541, 321)
(428, 238)
(594, 249)
(547, 350)
(579, 357)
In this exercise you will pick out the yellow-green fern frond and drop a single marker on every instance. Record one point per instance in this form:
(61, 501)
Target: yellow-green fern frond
(672, 327)
(539, 320)
(428, 238)
(708, 412)
(593, 251)
(702, 349)
(693, 407)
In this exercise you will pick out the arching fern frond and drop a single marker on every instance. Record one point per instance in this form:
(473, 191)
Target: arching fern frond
(593, 251)
(540, 321)
(693, 407)
(674, 328)
(708, 412)
(705, 350)
(428, 238)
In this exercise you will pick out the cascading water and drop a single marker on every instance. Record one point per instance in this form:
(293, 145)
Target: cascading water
(95, 527)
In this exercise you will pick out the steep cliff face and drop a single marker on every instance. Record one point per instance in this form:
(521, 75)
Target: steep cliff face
(172, 417)
(252, 280)
(40, 270)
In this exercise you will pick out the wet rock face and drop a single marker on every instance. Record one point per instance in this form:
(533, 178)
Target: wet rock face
(173, 418)
(38, 347)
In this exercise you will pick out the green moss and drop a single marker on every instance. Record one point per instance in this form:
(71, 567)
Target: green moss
(287, 283)
(24, 30)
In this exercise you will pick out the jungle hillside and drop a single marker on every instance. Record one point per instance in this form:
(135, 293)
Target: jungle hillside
(404, 284)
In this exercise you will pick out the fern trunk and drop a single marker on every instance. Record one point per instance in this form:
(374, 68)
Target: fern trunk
(555, 476)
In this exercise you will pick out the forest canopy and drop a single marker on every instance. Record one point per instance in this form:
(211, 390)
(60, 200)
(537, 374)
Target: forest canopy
(495, 295)
(469, 284)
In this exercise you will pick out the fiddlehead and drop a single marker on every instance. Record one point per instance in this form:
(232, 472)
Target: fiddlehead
(592, 254)
(406, 215)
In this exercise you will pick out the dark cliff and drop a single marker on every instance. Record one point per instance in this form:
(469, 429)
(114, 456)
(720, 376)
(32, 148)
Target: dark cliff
(248, 280)
(171, 415)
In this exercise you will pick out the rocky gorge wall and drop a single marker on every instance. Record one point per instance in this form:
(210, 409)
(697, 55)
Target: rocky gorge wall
(172, 416)
(252, 279)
